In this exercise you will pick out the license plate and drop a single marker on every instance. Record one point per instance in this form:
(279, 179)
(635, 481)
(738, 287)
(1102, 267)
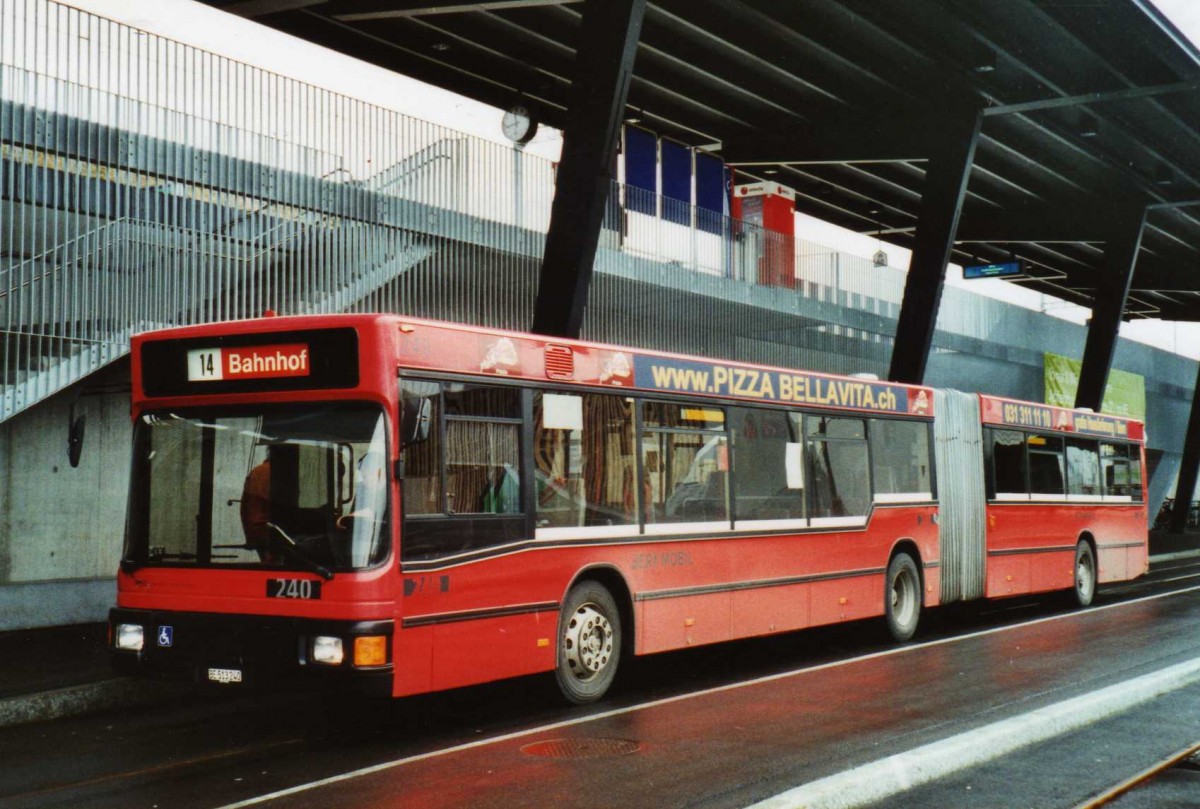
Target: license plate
(225, 675)
(293, 588)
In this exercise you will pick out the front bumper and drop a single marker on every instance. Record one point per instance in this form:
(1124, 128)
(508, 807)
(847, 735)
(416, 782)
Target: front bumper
(260, 649)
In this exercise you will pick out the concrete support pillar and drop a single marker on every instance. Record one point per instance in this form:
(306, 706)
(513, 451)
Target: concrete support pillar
(946, 179)
(604, 66)
(1189, 467)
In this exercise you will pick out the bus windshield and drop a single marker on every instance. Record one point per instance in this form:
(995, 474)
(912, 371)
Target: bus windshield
(296, 487)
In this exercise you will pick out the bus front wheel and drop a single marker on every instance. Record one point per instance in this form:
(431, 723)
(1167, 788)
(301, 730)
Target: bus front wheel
(902, 597)
(1085, 574)
(589, 643)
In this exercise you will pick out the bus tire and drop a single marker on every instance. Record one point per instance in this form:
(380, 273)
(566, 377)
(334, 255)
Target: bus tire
(1085, 574)
(589, 643)
(902, 597)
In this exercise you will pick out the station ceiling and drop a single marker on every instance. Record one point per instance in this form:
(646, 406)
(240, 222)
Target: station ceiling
(1091, 109)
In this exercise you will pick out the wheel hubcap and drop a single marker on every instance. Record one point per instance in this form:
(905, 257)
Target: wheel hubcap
(903, 598)
(588, 642)
(1083, 576)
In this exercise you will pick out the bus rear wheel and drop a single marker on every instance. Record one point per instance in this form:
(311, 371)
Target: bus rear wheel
(1085, 574)
(589, 643)
(902, 597)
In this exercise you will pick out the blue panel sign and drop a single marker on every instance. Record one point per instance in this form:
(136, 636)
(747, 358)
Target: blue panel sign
(641, 171)
(712, 198)
(1008, 269)
(166, 636)
(676, 182)
(710, 183)
(691, 376)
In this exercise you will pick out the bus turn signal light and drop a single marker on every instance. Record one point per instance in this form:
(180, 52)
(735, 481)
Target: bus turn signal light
(370, 650)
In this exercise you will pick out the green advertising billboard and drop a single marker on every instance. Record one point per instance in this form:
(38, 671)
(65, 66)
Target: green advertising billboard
(1124, 396)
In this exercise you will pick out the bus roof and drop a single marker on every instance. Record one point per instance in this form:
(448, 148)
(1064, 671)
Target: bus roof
(419, 344)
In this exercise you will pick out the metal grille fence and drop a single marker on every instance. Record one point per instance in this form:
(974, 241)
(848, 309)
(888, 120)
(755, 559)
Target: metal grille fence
(147, 183)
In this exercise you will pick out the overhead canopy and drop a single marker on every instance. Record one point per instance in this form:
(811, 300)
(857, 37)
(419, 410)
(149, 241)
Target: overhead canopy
(1091, 110)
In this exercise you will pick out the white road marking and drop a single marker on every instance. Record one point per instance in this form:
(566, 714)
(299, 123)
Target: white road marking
(388, 765)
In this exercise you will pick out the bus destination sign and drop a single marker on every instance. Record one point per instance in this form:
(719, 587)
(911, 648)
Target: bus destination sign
(689, 376)
(255, 362)
(250, 362)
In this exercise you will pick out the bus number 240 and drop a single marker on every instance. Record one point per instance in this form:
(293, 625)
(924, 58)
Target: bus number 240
(293, 588)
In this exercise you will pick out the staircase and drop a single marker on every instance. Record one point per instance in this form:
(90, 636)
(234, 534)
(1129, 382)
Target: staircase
(70, 310)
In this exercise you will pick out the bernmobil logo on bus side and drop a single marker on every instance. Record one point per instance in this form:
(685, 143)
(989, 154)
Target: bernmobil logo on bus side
(251, 362)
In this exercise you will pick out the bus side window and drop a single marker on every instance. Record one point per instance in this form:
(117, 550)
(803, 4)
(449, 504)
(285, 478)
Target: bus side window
(584, 466)
(1008, 464)
(768, 464)
(462, 486)
(900, 463)
(838, 457)
(423, 461)
(483, 440)
(1122, 470)
(1046, 473)
(1135, 473)
(685, 462)
(1083, 467)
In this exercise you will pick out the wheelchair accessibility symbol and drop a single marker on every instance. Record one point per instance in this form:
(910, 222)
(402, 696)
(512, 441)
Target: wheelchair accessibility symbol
(166, 636)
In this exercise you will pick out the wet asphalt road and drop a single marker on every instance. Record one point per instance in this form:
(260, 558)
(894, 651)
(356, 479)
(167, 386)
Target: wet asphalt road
(726, 748)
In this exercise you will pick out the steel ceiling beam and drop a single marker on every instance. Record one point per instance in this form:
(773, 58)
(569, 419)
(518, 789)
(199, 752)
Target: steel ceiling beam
(1093, 98)
(475, 80)
(394, 9)
(261, 8)
(853, 139)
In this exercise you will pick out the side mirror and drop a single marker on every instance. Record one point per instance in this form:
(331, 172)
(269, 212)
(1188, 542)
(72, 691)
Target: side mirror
(416, 418)
(75, 439)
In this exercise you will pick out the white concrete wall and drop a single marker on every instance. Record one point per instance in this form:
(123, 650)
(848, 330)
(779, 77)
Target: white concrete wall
(61, 529)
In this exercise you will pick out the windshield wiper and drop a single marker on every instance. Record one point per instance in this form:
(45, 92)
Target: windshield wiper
(290, 549)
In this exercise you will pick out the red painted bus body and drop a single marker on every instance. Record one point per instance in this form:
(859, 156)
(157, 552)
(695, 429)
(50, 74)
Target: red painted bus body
(1031, 541)
(734, 505)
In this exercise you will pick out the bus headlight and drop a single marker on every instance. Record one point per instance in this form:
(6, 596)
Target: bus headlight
(328, 650)
(130, 637)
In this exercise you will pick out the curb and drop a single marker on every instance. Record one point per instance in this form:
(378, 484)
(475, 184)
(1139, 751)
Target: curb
(884, 778)
(122, 692)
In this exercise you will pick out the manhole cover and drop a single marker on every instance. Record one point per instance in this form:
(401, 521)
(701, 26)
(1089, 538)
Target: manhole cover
(581, 748)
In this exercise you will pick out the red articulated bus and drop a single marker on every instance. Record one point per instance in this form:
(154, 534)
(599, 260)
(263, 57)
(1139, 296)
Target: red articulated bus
(410, 505)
